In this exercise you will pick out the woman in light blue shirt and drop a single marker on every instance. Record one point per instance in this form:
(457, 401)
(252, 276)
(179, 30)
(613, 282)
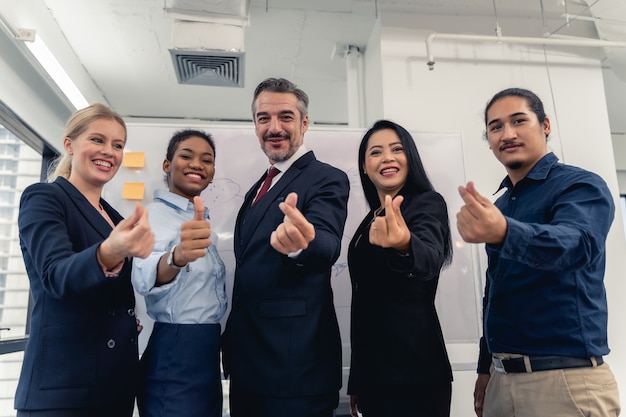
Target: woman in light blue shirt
(183, 283)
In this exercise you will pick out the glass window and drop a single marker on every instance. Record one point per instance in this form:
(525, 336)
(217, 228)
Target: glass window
(20, 166)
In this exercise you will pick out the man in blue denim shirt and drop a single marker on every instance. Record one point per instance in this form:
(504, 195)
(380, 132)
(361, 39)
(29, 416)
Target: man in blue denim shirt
(544, 309)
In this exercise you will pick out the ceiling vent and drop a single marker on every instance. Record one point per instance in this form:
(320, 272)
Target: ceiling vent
(207, 67)
(208, 53)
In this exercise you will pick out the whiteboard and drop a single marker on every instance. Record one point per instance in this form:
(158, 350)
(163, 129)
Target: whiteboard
(239, 163)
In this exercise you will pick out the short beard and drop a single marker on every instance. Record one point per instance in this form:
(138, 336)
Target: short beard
(279, 157)
(514, 165)
(282, 156)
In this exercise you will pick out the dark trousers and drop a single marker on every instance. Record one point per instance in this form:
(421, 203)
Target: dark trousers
(180, 373)
(246, 404)
(407, 401)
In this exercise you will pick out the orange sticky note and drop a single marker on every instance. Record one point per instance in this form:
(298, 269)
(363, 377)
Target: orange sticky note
(133, 190)
(134, 159)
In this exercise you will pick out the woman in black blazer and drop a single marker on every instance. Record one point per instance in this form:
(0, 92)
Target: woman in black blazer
(399, 365)
(81, 358)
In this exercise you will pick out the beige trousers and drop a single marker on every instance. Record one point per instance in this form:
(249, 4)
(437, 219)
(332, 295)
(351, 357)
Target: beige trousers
(575, 392)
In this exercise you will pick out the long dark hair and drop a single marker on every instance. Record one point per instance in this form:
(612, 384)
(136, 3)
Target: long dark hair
(532, 100)
(417, 181)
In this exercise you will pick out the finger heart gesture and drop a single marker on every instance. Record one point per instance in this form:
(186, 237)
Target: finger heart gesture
(390, 230)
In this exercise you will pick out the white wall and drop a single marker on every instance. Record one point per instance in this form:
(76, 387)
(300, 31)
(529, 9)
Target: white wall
(451, 98)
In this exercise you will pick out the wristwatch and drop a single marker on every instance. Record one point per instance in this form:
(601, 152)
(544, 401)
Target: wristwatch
(170, 259)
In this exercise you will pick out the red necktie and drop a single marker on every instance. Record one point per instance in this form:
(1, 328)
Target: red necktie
(266, 184)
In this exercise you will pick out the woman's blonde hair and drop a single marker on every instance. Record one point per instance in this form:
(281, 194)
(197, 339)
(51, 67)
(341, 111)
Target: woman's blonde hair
(62, 166)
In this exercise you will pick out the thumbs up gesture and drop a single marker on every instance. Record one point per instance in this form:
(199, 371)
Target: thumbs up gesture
(194, 236)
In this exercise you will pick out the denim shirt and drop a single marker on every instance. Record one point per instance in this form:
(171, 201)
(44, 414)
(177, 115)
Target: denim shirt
(197, 294)
(544, 291)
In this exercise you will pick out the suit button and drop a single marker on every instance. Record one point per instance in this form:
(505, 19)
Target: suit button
(131, 312)
(111, 344)
(111, 312)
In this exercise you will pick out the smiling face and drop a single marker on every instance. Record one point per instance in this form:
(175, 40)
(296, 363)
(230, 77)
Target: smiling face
(279, 125)
(96, 154)
(516, 137)
(192, 167)
(385, 163)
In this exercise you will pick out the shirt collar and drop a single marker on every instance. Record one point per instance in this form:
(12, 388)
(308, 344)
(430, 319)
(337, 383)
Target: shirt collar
(176, 200)
(539, 172)
(285, 165)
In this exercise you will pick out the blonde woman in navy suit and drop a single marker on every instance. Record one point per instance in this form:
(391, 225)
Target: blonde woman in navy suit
(81, 358)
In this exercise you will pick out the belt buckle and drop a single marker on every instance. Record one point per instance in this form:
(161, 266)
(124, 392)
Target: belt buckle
(498, 365)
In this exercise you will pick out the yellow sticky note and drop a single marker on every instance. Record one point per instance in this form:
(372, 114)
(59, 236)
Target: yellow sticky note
(133, 190)
(134, 159)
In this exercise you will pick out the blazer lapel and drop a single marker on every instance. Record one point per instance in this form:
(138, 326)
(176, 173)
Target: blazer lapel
(242, 234)
(89, 212)
(251, 218)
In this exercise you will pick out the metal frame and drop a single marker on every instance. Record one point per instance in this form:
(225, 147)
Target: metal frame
(22, 130)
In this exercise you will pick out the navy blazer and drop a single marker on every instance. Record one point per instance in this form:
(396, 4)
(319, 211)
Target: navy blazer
(282, 337)
(82, 349)
(395, 333)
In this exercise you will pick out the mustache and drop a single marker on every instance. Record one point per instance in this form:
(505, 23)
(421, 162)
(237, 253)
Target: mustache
(276, 136)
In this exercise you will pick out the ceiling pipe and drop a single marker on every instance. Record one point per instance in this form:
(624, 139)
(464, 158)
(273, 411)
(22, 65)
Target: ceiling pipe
(591, 43)
(355, 83)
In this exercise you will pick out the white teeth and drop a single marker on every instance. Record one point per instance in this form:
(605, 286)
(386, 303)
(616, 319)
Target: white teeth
(103, 164)
(194, 175)
(388, 170)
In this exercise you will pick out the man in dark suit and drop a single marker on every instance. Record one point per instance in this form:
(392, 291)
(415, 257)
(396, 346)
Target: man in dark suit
(282, 348)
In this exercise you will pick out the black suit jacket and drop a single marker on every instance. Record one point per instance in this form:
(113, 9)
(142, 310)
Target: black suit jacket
(282, 337)
(395, 333)
(82, 349)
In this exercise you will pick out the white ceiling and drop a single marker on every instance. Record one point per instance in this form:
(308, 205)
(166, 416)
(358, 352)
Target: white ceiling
(119, 49)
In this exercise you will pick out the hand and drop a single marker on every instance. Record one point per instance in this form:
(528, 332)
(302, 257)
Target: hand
(390, 230)
(295, 232)
(139, 325)
(131, 237)
(479, 220)
(354, 406)
(194, 236)
(479, 393)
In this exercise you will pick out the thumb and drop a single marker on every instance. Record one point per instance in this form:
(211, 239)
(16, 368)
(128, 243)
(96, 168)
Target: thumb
(198, 208)
(136, 216)
(130, 221)
(144, 215)
(292, 199)
(479, 197)
(471, 188)
(396, 202)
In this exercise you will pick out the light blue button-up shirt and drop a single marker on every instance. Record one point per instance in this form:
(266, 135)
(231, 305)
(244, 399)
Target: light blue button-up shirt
(197, 294)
